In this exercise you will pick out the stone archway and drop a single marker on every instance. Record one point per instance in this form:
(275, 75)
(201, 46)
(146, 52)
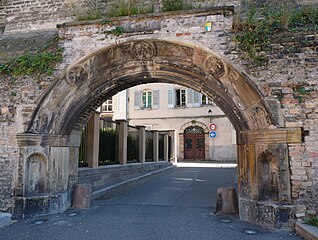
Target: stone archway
(86, 84)
(83, 86)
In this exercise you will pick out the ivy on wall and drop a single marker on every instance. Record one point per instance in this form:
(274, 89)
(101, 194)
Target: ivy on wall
(255, 31)
(41, 61)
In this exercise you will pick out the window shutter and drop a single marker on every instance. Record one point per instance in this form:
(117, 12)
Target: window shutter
(137, 100)
(171, 98)
(190, 93)
(115, 102)
(196, 99)
(156, 99)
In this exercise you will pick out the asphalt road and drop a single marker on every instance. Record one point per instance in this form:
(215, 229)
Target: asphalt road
(177, 204)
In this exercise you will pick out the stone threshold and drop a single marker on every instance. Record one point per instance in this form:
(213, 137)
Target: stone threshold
(306, 231)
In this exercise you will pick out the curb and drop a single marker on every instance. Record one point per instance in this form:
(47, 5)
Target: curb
(306, 231)
(116, 188)
(5, 219)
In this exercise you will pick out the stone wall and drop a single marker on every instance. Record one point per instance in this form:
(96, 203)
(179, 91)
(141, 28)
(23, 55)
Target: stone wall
(41, 14)
(290, 79)
(14, 93)
(18, 15)
(34, 15)
(292, 66)
(2, 15)
(106, 176)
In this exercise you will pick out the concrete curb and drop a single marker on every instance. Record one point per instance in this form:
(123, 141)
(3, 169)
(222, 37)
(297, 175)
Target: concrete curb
(112, 190)
(5, 219)
(306, 231)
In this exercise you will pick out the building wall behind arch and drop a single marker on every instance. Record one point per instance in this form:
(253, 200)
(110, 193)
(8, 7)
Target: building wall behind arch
(167, 117)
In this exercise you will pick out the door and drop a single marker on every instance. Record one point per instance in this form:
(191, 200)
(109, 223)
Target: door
(194, 144)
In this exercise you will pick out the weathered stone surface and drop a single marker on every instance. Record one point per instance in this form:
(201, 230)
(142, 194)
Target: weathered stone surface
(226, 203)
(83, 196)
(16, 44)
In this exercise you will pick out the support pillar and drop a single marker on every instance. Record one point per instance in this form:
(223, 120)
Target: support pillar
(264, 175)
(122, 142)
(156, 146)
(166, 147)
(142, 144)
(173, 145)
(92, 154)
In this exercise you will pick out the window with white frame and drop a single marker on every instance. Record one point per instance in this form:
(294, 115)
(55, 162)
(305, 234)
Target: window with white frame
(146, 99)
(205, 100)
(107, 106)
(181, 98)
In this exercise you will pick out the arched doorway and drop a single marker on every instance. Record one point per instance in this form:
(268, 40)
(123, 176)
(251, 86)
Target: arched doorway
(69, 102)
(194, 143)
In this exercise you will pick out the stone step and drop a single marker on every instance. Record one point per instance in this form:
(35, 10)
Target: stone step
(5, 219)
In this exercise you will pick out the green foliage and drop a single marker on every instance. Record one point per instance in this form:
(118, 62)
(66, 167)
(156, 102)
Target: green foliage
(132, 148)
(254, 33)
(130, 7)
(82, 161)
(312, 221)
(107, 146)
(82, 12)
(177, 5)
(117, 31)
(40, 62)
(172, 5)
(301, 93)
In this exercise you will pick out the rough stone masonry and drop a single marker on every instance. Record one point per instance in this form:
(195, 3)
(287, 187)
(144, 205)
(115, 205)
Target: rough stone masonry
(292, 66)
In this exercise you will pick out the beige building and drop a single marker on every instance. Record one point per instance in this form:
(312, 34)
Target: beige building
(185, 113)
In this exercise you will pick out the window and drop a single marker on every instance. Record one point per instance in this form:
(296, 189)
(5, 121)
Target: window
(107, 106)
(181, 97)
(206, 101)
(146, 99)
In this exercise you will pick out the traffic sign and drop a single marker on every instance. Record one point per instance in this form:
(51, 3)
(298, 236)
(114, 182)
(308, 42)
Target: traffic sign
(213, 134)
(212, 127)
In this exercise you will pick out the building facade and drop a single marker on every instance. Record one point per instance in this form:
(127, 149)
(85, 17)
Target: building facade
(199, 128)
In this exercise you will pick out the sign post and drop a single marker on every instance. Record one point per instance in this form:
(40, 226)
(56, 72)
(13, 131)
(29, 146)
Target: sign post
(213, 134)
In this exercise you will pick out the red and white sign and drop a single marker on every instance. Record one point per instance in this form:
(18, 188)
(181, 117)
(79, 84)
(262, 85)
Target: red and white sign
(212, 127)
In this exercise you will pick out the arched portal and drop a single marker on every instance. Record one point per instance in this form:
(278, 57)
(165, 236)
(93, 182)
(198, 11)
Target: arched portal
(66, 106)
(86, 84)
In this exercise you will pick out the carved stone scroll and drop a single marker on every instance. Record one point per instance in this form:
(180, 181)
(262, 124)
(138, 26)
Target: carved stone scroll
(215, 66)
(143, 50)
(77, 75)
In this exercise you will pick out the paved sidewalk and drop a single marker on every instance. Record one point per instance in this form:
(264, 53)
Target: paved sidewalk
(177, 204)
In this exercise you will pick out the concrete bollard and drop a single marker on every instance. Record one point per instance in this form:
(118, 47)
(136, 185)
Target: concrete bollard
(226, 203)
(83, 196)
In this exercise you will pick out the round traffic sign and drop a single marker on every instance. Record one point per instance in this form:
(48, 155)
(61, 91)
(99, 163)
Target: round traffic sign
(212, 127)
(212, 134)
